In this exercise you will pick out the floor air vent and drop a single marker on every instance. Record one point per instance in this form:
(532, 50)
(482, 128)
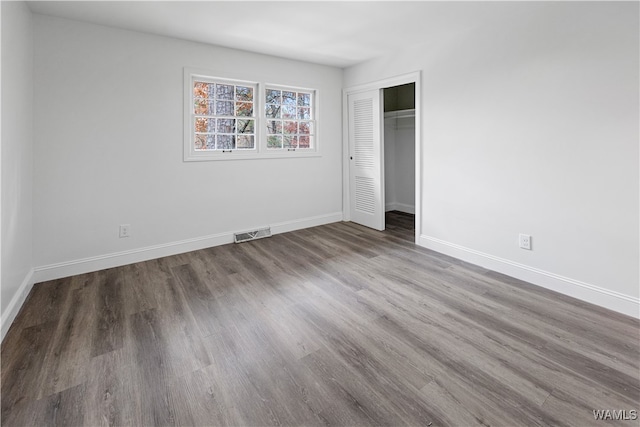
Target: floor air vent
(252, 235)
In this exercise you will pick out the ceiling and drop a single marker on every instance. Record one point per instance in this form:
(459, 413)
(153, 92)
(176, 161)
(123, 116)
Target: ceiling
(336, 33)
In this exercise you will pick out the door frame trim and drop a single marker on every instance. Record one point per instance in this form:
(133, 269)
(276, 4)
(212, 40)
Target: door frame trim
(414, 77)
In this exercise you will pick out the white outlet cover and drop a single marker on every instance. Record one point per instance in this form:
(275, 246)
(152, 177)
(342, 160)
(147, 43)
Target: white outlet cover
(525, 241)
(125, 230)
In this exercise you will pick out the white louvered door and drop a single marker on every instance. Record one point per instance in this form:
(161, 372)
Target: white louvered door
(366, 168)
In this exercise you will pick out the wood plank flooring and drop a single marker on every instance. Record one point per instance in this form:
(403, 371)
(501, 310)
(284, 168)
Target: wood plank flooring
(333, 325)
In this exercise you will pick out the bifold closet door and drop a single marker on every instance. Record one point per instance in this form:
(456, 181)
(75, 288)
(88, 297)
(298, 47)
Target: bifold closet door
(366, 169)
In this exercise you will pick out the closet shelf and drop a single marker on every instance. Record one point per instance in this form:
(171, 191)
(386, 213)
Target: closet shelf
(400, 114)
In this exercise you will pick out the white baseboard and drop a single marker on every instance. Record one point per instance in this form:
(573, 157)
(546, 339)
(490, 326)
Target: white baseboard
(86, 265)
(299, 224)
(402, 207)
(612, 300)
(16, 302)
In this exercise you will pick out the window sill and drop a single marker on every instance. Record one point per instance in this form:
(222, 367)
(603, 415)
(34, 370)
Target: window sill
(250, 156)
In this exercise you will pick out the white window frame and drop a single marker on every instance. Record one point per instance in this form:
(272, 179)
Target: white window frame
(190, 152)
(260, 151)
(313, 120)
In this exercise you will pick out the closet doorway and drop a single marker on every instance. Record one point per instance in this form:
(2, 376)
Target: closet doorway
(367, 155)
(400, 156)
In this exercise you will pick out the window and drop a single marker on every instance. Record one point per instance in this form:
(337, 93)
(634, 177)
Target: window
(289, 115)
(223, 119)
(222, 115)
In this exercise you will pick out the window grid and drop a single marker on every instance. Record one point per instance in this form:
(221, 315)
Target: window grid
(223, 116)
(290, 119)
(223, 119)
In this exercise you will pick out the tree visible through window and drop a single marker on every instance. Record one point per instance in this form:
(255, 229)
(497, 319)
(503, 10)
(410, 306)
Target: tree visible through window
(223, 116)
(229, 119)
(289, 114)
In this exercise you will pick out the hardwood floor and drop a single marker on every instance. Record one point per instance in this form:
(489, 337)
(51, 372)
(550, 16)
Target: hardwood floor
(333, 325)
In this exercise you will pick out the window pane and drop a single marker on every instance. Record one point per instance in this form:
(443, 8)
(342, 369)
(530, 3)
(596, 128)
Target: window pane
(304, 113)
(290, 141)
(200, 142)
(290, 127)
(205, 142)
(224, 108)
(273, 111)
(274, 141)
(201, 106)
(304, 128)
(211, 142)
(245, 126)
(288, 98)
(274, 126)
(244, 93)
(245, 142)
(244, 109)
(224, 91)
(304, 142)
(205, 125)
(288, 112)
(304, 99)
(273, 96)
(226, 125)
(203, 90)
(225, 142)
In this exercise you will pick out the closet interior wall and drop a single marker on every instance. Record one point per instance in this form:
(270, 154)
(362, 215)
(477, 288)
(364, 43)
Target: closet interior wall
(399, 148)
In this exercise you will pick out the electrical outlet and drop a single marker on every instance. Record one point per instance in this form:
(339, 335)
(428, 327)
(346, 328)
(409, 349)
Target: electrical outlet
(125, 230)
(525, 241)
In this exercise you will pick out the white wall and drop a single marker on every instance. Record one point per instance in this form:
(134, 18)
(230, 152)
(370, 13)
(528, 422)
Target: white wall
(530, 125)
(405, 158)
(17, 158)
(108, 150)
(390, 197)
(399, 163)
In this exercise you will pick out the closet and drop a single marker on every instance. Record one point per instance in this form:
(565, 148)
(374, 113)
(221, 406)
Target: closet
(399, 148)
